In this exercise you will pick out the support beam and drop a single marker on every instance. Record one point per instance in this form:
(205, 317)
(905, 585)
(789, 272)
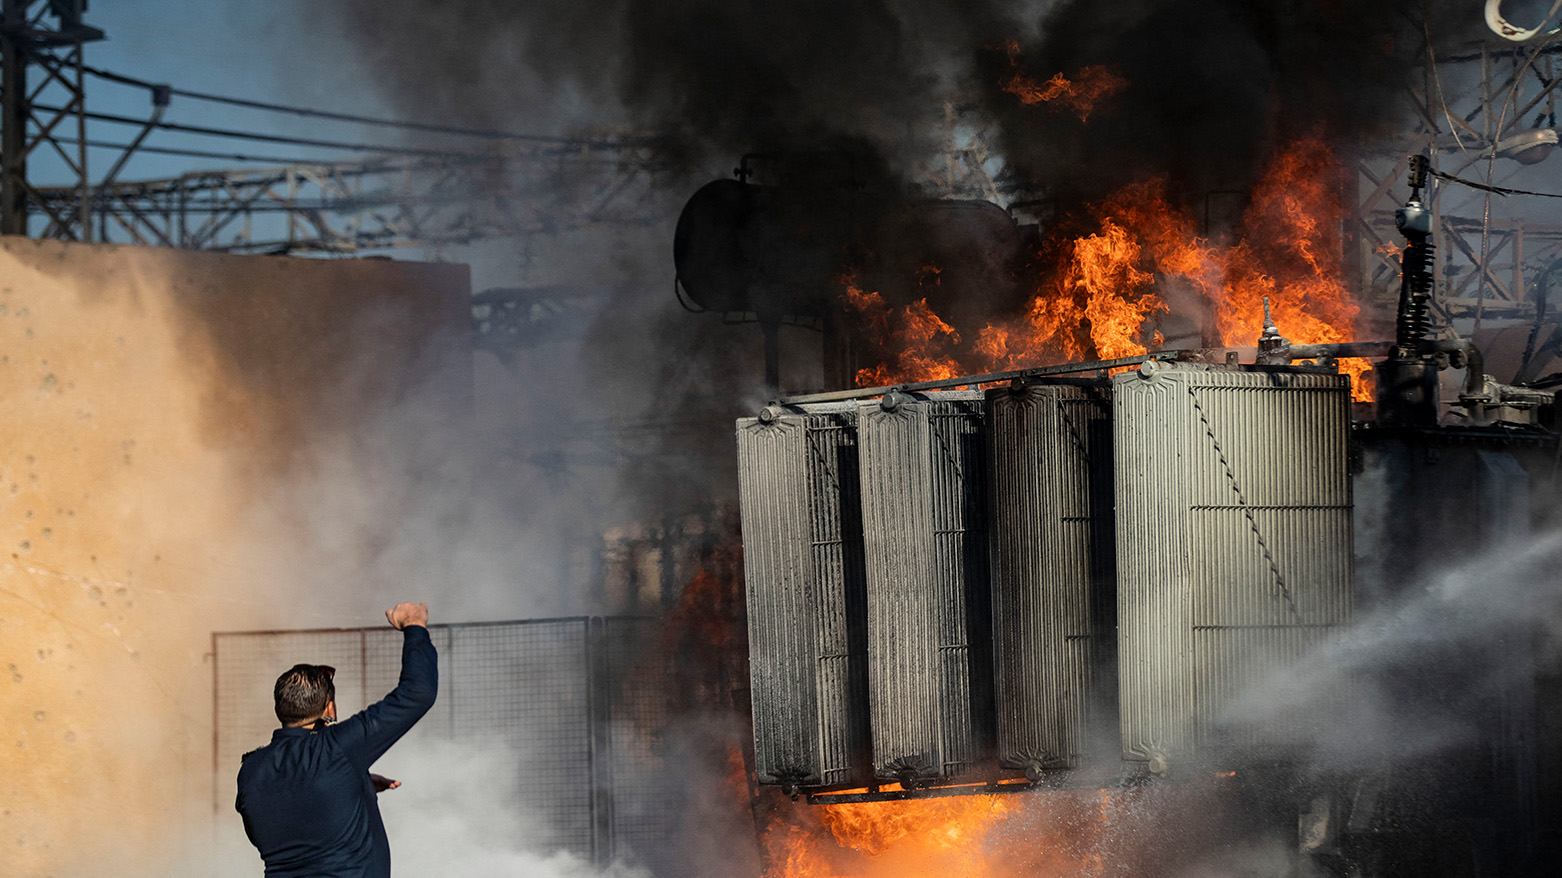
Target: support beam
(1464, 108)
(376, 204)
(41, 57)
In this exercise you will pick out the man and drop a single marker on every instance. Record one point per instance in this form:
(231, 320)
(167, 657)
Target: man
(307, 798)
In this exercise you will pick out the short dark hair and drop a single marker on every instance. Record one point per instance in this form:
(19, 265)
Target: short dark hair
(303, 691)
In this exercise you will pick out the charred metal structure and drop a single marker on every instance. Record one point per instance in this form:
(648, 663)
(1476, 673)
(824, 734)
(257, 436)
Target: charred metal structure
(924, 543)
(1174, 560)
(1053, 599)
(802, 534)
(1038, 560)
(1233, 546)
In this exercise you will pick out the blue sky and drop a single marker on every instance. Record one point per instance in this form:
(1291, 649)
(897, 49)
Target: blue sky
(277, 51)
(282, 51)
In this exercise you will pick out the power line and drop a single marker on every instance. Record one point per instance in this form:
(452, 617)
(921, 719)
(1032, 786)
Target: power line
(491, 134)
(192, 153)
(1486, 187)
(315, 142)
(268, 138)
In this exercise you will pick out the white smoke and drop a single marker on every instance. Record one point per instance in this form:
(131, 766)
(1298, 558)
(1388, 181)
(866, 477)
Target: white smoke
(455, 814)
(1480, 626)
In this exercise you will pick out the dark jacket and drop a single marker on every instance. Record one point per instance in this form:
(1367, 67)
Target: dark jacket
(307, 801)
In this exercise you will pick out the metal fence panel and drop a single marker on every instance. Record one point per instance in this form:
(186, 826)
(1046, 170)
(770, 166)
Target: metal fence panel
(523, 690)
(638, 671)
(573, 704)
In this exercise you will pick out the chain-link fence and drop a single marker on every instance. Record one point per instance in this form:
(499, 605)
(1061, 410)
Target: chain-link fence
(575, 705)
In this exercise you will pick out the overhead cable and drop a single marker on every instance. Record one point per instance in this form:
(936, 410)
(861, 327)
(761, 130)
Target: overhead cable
(192, 153)
(271, 138)
(491, 134)
(1500, 190)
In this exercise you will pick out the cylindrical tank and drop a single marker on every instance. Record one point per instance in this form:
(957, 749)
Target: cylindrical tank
(1233, 523)
(1050, 456)
(925, 552)
(802, 558)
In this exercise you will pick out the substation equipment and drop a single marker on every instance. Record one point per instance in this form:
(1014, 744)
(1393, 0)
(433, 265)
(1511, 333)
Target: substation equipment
(1079, 579)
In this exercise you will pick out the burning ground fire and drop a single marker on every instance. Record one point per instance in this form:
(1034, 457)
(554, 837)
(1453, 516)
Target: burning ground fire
(1102, 293)
(969, 836)
(1085, 832)
(924, 837)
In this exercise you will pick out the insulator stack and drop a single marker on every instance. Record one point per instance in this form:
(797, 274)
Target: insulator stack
(1414, 324)
(1419, 165)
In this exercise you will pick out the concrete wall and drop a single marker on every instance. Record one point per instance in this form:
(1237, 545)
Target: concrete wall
(151, 404)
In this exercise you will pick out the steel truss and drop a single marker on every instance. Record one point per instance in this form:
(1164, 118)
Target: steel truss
(965, 166)
(1467, 110)
(378, 203)
(386, 202)
(508, 319)
(43, 36)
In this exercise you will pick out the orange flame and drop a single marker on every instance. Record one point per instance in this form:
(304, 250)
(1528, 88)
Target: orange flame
(980, 836)
(1104, 269)
(910, 839)
(918, 333)
(1101, 301)
(940, 825)
(1089, 86)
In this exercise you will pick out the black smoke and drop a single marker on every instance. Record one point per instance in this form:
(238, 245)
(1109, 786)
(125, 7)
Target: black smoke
(1211, 91)
(1213, 85)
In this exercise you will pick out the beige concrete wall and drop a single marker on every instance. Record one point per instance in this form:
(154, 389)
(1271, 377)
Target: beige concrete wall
(149, 399)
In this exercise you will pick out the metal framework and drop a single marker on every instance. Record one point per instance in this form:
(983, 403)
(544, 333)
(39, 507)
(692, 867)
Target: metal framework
(965, 167)
(45, 36)
(1464, 108)
(375, 204)
(507, 319)
(1468, 110)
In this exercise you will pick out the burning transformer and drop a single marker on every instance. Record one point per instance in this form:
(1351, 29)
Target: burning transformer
(945, 582)
(1065, 581)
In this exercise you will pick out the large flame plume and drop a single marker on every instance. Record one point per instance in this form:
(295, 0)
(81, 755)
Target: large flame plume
(1101, 297)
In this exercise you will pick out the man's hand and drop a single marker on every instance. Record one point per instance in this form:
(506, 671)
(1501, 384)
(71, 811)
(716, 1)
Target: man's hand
(404, 614)
(381, 783)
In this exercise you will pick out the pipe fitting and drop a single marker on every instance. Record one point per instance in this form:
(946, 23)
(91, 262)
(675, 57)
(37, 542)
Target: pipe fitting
(1474, 364)
(892, 401)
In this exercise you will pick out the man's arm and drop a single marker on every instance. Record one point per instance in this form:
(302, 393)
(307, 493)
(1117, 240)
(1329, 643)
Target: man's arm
(368, 734)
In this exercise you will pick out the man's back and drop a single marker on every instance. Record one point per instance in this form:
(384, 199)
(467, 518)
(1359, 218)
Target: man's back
(310, 809)
(307, 798)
